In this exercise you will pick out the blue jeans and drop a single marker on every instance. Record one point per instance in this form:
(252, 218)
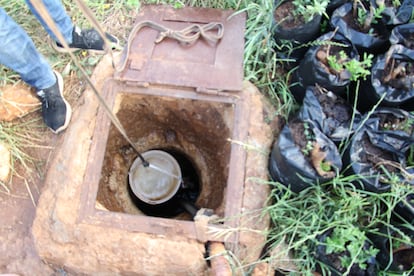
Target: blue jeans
(18, 52)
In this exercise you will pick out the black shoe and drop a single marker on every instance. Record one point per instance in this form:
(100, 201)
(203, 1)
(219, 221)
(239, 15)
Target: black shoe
(87, 40)
(56, 111)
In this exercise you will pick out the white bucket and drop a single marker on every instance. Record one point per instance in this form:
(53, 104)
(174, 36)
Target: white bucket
(158, 182)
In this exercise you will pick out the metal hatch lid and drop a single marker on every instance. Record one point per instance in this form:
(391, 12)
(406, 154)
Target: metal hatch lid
(201, 65)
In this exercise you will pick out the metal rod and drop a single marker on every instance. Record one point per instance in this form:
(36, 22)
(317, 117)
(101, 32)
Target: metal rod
(152, 166)
(189, 207)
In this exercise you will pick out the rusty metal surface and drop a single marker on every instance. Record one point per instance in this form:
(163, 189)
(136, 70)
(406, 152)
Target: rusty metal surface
(202, 65)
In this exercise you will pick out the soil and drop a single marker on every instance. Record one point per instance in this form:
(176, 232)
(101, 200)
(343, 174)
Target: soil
(332, 50)
(335, 259)
(174, 132)
(297, 130)
(377, 157)
(334, 107)
(352, 22)
(409, 41)
(17, 211)
(399, 74)
(305, 140)
(391, 122)
(404, 257)
(284, 16)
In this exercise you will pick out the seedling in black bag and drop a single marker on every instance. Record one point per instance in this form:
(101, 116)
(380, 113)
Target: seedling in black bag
(310, 139)
(350, 245)
(367, 17)
(357, 69)
(309, 8)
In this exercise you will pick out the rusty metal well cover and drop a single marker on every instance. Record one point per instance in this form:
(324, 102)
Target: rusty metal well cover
(203, 64)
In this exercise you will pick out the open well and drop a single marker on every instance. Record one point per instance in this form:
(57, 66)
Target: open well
(183, 99)
(195, 132)
(195, 128)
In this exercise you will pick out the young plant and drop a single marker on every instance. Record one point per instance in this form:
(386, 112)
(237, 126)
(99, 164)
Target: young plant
(367, 17)
(310, 8)
(310, 139)
(350, 243)
(396, 3)
(406, 124)
(357, 69)
(325, 166)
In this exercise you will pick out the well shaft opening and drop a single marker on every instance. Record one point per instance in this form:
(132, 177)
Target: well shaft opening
(195, 132)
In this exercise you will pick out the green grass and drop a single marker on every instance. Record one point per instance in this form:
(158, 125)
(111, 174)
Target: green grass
(299, 219)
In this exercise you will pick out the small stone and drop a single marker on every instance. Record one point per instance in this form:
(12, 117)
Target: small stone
(16, 101)
(5, 163)
(263, 269)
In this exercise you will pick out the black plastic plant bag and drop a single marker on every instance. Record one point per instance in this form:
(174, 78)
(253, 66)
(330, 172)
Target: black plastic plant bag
(387, 258)
(311, 71)
(370, 42)
(398, 91)
(355, 162)
(298, 36)
(331, 113)
(404, 35)
(400, 141)
(289, 165)
(405, 208)
(374, 154)
(331, 261)
(334, 4)
(398, 15)
(387, 134)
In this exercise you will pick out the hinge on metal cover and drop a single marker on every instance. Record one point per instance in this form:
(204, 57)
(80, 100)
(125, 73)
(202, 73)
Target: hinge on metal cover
(143, 84)
(215, 92)
(209, 91)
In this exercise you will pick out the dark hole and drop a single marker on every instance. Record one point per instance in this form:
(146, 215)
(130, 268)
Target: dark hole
(188, 192)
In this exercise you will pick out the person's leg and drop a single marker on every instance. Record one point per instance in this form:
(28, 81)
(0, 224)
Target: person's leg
(18, 52)
(75, 37)
(59, 16)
